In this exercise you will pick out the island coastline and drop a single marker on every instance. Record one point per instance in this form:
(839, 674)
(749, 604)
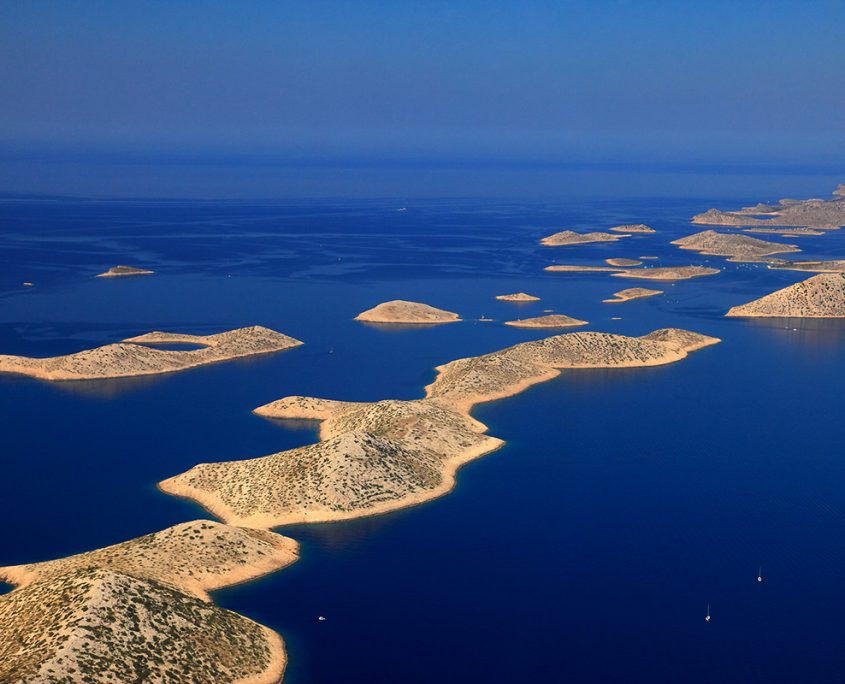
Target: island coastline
(441, 417)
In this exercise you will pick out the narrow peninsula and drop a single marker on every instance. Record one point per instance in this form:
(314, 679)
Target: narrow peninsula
(407, 313)
(381, 456)
(138, 355)
(821, 296)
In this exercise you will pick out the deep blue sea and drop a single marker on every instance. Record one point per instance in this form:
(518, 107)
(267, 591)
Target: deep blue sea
(584, 551)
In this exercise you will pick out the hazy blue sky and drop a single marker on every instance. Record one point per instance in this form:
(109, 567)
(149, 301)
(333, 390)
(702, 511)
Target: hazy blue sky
(744, 80)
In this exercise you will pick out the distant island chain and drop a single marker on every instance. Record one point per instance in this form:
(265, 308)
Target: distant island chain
(140, 610)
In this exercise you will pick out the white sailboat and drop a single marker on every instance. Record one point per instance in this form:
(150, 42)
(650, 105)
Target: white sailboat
(760, 574)
(707, 617)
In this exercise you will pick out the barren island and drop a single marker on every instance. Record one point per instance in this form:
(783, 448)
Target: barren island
(821, 296)
(548, 321)
(138, 355)
(407, 313)
(518, 297)
(632, 293)
(570, 237)
(123, 271)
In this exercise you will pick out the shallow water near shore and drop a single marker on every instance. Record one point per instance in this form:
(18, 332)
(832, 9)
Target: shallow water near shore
(585, 550)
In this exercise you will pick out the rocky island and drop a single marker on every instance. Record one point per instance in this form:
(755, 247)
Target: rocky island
(650, 273)
(623, 262)
(123, 271)
(140, 611)
(548, 321)
(811, 212)
(138, 356)
(667, 272)
(788, 232)
(382, 456)
(821, 296)
(407, 313)
(737, 247)
(570, 237)
(632, 293)
(832, 266)
(567, 268)
(517, 297)
(633, 228)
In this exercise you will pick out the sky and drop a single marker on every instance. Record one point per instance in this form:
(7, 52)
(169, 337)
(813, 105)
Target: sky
(290, 82)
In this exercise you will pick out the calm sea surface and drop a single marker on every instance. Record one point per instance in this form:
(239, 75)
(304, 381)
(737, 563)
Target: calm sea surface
(586, 550)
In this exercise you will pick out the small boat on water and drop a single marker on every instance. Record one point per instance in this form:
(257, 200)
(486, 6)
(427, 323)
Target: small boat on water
(760, 574)
(707, 617)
